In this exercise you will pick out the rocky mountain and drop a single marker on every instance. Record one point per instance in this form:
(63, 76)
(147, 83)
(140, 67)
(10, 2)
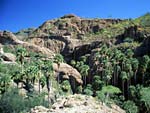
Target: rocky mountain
(97, 57)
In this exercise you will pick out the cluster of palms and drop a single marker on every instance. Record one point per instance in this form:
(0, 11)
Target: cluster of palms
(120, 68)
(113, 71)
(30, 70)
(82, 67)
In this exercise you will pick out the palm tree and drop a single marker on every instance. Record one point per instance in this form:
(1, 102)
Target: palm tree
(118, 69)
(21, 53)
(29, 76)
(84, 72)
(16, 76)
(118, 56)
(39, 73)
(129, 53)
(135, 65)
(48, 70)
(109, 90)
(128, 69)
(124, 77)
(107, 76)
(58, 59)
(144, 65)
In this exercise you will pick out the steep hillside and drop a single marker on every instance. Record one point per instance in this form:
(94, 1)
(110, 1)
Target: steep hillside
(78, 104)
(107, 59)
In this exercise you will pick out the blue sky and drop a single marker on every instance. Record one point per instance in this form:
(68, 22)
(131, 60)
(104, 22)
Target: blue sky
(20, 14)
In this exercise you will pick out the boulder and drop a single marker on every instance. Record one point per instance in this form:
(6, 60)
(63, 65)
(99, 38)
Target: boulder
(68, 71)
(8, 57)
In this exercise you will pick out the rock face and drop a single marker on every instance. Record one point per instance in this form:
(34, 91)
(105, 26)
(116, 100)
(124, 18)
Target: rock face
(78, 104)
(67, 71)
(11, 39)
(8, 57)
(65, 34)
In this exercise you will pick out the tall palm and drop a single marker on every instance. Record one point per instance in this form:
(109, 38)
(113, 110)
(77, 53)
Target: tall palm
(39, 65)
(107, 76)
(117, 56)
(48, 70)
(123, 77)
(58, 59)
(129, 53)
(118, 69)
(144, 65)
(135, 65)
(21, 53)
(16, 76)
(29, 76)
(128, 69)
(84, 72)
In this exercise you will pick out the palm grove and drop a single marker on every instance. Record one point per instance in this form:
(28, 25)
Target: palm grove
(118, 77)
(31, 70)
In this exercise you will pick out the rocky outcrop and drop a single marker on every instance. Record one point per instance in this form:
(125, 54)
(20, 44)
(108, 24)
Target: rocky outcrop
(8, 57)
(78, 104)
(11, 39)
(67, 72)
(63, 35)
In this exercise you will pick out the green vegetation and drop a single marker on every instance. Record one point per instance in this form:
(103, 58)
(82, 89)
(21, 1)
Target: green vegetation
(30, 72)
(117, 76)
(112, 73)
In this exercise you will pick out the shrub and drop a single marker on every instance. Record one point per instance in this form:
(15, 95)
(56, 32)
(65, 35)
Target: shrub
(88, 90)
(12, 102)
(130, 107)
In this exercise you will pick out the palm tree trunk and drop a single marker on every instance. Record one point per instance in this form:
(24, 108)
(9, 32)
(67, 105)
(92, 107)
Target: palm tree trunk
(48, 88)
(58, 79)
(128, 89)
(85, 79)
(39, 86)
(135, 77)
(117, 78)
(114, 78)
(123, 88)
(143, 76)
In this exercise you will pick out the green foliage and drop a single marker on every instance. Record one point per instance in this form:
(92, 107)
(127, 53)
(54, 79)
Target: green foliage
(145, 97)
(111, 89)
(12, 102)
(128, 39)
(21, 52)
(79, 89)
(130, 107)
(8, 49)
(97, 83)
(145, 20)
(42, 81)
(58, 58)
(100, 95)
(65, 86)
(88, 90)
(107, 92)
